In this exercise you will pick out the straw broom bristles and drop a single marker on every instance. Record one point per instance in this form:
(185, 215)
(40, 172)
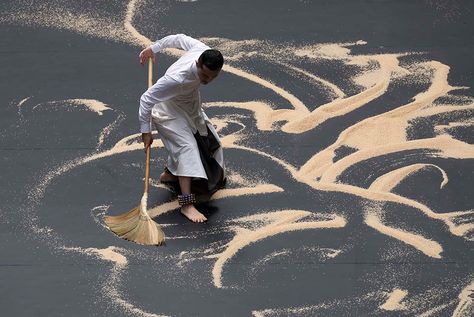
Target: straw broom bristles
(136, 225)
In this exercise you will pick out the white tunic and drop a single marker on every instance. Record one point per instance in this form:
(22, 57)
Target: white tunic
(180, 84)
(174, 105)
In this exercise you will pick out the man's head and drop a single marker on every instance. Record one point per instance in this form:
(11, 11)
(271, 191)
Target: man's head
(209, 65)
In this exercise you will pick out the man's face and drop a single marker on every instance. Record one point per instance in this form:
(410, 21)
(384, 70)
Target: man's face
(205, 74)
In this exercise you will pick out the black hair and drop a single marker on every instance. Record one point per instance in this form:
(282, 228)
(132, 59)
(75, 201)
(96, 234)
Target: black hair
(213, 59)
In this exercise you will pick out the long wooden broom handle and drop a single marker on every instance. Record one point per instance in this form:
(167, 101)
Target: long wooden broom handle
(150, 72)
(147, 163)
(147, 169)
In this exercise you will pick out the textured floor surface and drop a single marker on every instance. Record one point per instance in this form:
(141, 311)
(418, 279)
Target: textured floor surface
(347, 129)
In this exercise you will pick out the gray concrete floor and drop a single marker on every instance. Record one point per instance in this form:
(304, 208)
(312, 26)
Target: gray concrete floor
(46, 210)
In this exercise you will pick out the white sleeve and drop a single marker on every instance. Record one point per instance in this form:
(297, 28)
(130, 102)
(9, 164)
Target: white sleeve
(181, 41)
(164, 89)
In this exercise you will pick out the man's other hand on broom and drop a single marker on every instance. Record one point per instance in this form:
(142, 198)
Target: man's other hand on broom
(145, 55)
(147, 139)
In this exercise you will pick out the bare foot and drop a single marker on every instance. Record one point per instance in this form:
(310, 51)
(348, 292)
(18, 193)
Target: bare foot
(192, 213)
(167, 177)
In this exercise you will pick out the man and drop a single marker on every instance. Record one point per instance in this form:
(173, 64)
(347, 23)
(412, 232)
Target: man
(173, 104)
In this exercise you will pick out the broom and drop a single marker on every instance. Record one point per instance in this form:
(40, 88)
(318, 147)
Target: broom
(136, 225)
